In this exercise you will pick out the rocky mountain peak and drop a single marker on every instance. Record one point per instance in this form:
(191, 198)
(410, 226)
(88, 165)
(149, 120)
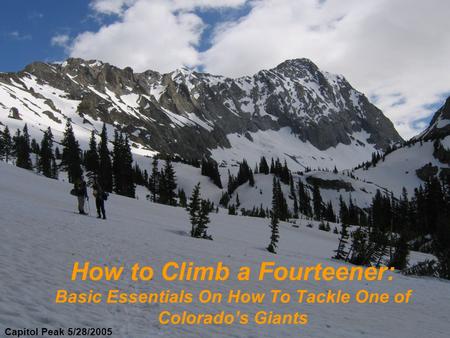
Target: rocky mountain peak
(192, 113)
(440, 123)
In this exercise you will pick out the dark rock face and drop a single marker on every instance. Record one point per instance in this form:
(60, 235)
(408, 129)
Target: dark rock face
(440, 124)
(189, 113)
(427, 172)
(330, 184)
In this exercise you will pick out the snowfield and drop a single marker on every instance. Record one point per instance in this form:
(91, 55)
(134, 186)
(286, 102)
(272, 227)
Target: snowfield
(41, 238)
(398, 170)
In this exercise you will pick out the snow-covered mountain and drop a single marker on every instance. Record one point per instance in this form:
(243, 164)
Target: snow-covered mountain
(296, 111)
(425, 155)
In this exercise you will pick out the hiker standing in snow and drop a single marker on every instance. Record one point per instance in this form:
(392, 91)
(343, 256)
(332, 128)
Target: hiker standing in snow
(100, 197)
(81, 193)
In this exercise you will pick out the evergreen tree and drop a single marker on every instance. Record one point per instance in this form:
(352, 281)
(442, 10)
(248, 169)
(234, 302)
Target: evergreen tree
(211, 170)
(274, 235)
(352, 212)
(23, 149)
(182, 198)
(359, 249)
(129, 184)
(304, 200)
(399, 259)
(58, 155)
(329, 213)
(46, 158)
(194, 208)
(263, 166)
(35, 149)
(232, 210)
(203, 220)
(1, 146)
(105, 164)
(224, 199)
(295, 206)
(317, 202)
(54, 168)
(170, 183)
(122, 166)
(70, 159)
(279, 204)
(154, 180)
(343, 211)
(7, 144)
(341, 252)
(91, 159)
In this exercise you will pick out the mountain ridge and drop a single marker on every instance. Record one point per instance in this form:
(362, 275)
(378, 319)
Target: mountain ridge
(191, 113)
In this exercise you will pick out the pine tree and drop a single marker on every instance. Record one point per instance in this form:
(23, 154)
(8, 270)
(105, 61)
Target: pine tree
(232, 210)
(105, 164)
(1, 146)
(7, 144)
(23, 149)
(211, 170)
(116, 162)
(295, 206)
(352, 212)
(329, 213)
(58, 155)
(46, 158)
(35, 149)
(304, 200)
(341, 252)
(251, 178)
(182, 198)
(123, 166)
(263, 166)
(129, 184)
(71, 160)
(54, 168)
(203, 220)
(154, 180)
(400, 257)
(359, 248)
(91, 159)
(194, 208)
(224, 199)
(170, 183)
(343, 211)
(274, 236)
(317, 202)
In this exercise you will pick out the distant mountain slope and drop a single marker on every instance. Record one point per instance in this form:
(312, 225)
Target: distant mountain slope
(426, 155)
(195, 114)
(439, 125)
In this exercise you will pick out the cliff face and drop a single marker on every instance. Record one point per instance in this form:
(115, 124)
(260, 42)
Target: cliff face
(190, 113)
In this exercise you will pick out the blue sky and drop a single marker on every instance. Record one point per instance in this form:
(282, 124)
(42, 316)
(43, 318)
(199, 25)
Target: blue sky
(26, 29)
(395, 52)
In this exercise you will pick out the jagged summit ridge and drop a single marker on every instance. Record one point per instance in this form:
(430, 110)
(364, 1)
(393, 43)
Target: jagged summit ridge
(191, 113)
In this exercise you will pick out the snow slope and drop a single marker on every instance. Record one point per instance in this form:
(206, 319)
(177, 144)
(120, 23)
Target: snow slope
(299, 155)
(398, 170)
(42, 237)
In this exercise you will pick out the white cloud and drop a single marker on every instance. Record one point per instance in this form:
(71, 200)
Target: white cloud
(110, 6)
(16, 35)
(149, 34)
(397, 51)
(60, 40)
